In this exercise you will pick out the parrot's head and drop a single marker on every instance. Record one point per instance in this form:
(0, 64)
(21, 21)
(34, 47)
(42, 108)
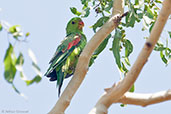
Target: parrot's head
(75, 25)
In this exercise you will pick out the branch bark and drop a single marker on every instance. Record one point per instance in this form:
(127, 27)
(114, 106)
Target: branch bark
(118, 7)
(83, 62)
(122, 87)
(145, 99)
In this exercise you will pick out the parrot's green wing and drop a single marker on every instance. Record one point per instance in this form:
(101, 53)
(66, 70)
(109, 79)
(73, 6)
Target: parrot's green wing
(62, 64)
(63, 51)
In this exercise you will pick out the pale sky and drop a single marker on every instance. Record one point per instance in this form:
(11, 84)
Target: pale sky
(46, 22)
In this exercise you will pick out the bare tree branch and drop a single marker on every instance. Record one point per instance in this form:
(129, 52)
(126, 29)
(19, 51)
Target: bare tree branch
(121, 88)
(145, 99)
(83, 62)
(118, 7)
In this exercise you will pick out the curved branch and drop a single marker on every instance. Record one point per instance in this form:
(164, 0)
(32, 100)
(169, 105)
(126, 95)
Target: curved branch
(145, 99)
(121, 88)
(83, 62)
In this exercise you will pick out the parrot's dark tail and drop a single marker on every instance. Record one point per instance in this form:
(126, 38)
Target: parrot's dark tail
(60, 79)
(52, 76)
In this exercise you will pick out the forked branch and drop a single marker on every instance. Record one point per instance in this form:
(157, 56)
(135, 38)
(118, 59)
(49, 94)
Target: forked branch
(83, 62)
(124, 85)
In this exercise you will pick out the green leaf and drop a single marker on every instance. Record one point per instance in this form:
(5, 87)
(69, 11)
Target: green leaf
(19, 63)
(22, 75)
(123, 105)
(36, 79)
(163, 57)
(158, 1)
(99, 50)
(20, 59)
(17, 91)
(133, 16)
(36, 69)
(124, 67)
(128, 48)
(132, 88)
(140, 15)
(169, 59)
(27, 34)
(86, 12)
(149, 12)
(130, 20)
(136, 2)
(14, 29)
(159, 47)
(100, 22)
(102, 45)
(169, 32)
(1, 27)
(93, 57)
(9, 64)
(127, 61)
(151, 27)
(74, 11)
(110, 5)
(83, 1)
(167, 52)
(116, 47)
(35, 66)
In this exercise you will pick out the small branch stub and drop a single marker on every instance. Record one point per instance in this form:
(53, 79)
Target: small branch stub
(119, 17)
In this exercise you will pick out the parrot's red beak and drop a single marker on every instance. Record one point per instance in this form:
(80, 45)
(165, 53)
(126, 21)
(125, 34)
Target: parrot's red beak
(80, 25)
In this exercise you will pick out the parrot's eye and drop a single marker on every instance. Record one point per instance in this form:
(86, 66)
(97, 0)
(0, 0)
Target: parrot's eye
(73, 22)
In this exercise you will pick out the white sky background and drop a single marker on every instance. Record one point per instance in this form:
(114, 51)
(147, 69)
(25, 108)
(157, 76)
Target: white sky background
(46, 21)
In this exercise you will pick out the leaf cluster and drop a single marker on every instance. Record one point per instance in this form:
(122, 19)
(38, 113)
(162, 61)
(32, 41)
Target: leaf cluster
(165, 51)
(139, 11)
(14, 64)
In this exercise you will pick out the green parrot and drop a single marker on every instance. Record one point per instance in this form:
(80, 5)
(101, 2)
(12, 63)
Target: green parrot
(63, 63)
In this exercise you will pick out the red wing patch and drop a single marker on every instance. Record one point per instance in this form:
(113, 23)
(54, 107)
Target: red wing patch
(74, 42)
